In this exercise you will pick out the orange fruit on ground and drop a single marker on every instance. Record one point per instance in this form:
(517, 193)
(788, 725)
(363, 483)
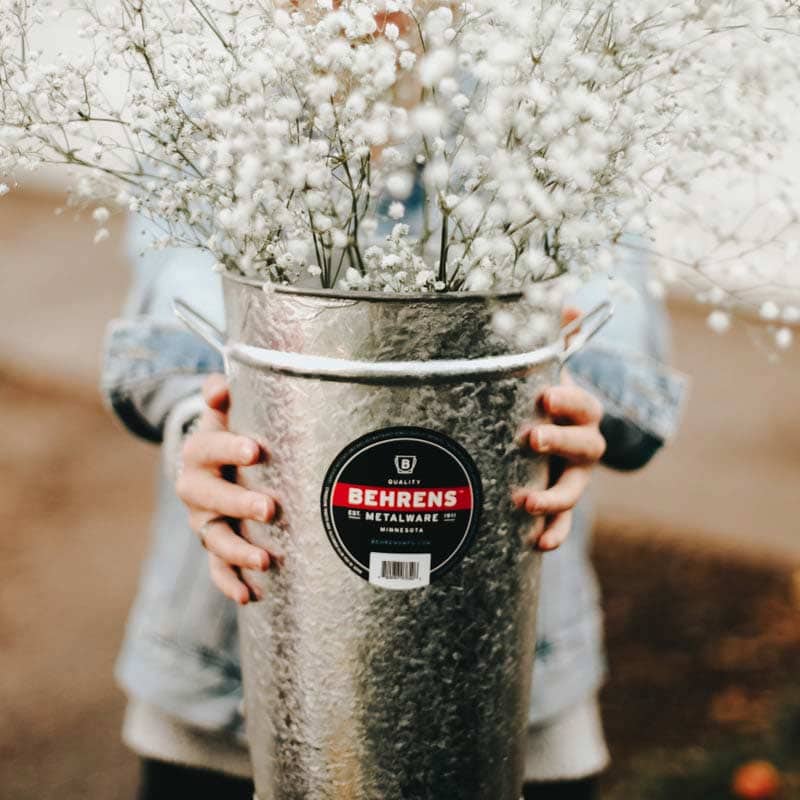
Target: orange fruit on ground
(756, 780)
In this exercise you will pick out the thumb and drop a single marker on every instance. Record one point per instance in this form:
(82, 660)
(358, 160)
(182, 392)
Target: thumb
(215, 392)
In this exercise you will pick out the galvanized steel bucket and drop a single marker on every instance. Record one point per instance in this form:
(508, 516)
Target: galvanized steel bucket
(391, 656)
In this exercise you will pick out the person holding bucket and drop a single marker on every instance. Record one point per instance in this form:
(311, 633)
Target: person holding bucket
(617, 405)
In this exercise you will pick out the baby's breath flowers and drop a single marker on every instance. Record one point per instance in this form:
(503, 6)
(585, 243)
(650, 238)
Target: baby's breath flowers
(288, 139)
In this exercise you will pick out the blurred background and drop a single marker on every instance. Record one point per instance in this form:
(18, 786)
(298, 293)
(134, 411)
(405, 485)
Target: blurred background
(698, 555)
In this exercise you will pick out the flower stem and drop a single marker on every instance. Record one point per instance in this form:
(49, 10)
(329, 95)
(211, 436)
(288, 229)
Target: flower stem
(443, 249)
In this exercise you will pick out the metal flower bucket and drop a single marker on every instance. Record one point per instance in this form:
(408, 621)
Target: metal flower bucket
(391, 656)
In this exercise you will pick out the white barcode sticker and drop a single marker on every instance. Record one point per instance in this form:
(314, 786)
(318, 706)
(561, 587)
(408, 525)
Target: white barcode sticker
(400, 570)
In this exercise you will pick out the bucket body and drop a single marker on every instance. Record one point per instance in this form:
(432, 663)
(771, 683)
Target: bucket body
(354, 688)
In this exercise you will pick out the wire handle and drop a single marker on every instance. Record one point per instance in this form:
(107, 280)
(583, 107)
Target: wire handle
(574, 335)
(571, 339)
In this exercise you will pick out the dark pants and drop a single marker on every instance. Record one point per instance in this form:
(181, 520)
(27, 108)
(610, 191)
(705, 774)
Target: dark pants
(162, 781)
(585, 789)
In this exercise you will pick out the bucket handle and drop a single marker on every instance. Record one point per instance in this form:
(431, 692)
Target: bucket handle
(575, 334)
(571, 339)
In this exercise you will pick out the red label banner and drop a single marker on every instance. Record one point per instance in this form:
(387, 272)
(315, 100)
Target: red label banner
(391, 498)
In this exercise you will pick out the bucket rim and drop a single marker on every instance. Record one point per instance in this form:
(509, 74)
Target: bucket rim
(373, 296)
(388, 372)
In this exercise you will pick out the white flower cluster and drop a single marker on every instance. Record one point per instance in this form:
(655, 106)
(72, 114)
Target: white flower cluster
(286, 138)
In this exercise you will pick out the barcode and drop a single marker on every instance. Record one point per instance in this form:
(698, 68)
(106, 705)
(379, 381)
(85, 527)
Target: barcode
(399, 570)
(404, 570)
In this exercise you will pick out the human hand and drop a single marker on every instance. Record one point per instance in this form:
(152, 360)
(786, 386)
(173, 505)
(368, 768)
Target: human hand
(215, 504)
(574, 439)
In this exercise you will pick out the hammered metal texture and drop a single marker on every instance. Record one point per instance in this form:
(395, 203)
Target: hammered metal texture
(355, 692)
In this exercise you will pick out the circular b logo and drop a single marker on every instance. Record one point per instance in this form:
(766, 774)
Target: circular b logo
(401, 505)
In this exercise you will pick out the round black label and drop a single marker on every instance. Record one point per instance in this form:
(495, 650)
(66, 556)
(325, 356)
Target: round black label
(401, 505)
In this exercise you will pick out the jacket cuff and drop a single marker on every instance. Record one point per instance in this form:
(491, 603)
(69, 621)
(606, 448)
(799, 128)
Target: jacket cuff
(633, 387)
(628, 447)
(150, 366)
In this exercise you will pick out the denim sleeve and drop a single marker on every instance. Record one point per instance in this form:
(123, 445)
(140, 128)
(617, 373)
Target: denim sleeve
(150, 361)
(625, 366)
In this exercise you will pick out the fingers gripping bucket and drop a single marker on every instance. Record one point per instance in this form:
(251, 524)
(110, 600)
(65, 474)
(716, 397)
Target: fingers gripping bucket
(391, 656)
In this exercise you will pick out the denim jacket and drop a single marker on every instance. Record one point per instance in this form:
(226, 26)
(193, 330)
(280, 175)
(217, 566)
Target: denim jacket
(180, 651)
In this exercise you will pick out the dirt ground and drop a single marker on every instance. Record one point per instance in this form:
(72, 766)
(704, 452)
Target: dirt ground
(74, 505)
(700, 644)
